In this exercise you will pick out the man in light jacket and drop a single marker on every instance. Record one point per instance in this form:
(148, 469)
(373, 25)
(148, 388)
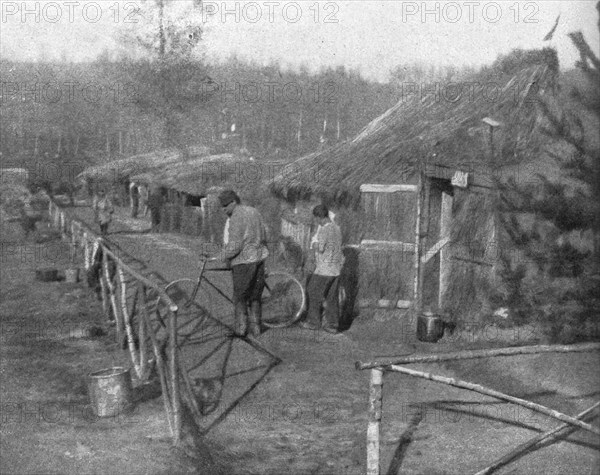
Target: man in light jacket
(323, 284)
(245, 251)
(104, 211)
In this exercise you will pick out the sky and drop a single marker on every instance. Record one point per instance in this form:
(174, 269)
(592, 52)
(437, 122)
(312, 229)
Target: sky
(372, 36)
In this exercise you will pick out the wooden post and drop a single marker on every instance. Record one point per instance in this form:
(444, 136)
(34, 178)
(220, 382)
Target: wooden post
(175, 399)
(445, 252)
(375, 399)
(423, 227)
(418, 241)
(104, 293)
(86, 252)
(139, 364)
(498, 395)
(73, 245)
(113, 299)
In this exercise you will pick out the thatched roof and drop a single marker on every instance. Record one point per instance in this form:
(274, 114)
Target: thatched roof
(124, 168)
(432, 129)
(197, 176)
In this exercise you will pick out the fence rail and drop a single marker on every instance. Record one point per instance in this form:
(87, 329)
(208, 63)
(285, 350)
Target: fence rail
(380, 367)
(134, 302)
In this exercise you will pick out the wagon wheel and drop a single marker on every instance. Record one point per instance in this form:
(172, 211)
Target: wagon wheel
(283, 300)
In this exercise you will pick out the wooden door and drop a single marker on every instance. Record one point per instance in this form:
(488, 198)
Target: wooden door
(388, 250)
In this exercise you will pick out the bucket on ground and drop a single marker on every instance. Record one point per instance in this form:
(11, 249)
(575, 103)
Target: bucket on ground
(110, 391)
(430, 327)
(72, 276)
(46, 274)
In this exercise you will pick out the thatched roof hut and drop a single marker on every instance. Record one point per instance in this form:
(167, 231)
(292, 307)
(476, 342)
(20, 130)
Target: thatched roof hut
(124, 168)
(435, 125)
(199, 175)
(416, 187)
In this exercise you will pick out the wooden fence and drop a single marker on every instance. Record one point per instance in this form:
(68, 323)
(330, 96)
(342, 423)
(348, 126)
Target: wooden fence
(145, 316)
(379, 367)
(298, 230)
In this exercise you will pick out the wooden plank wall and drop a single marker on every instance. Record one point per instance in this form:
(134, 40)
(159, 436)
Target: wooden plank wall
(386, 266)
(389, 216)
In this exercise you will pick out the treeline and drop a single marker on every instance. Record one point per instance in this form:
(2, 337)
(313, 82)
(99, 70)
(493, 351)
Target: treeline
(66, 113)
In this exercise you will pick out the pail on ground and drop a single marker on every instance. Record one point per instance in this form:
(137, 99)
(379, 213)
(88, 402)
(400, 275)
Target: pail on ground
(430, 327)
(72, 276)
(46, 275)
(110, 391)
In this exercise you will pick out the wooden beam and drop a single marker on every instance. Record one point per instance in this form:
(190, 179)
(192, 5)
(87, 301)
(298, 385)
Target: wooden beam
(473, 354)
(457, 383)
(406, 246)
(387, 188)
(384, 303)
(434, 250)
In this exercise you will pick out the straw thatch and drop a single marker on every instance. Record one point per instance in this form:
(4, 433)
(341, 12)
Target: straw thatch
(194, 174)
(199, 175)
(117, 170)
(435, 128)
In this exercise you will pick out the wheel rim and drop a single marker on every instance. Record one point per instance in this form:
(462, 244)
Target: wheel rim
(284, 303)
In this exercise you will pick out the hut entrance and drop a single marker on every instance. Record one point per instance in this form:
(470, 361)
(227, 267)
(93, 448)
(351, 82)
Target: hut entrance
(389, 245)
(405, 252)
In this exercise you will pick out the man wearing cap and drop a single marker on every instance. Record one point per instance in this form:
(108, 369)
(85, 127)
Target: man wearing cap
(246, 251)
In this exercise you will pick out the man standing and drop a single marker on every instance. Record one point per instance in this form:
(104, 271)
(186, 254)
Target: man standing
(245, 251)
(324, 282)
(155, 202)
(143, 199)
(134, 197)
(104, 211)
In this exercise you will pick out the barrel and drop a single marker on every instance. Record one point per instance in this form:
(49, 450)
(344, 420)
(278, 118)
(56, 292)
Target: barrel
(110, 391)
(430, 328)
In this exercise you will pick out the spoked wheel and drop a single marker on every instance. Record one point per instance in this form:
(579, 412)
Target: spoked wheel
(191, 316)
(283, 300)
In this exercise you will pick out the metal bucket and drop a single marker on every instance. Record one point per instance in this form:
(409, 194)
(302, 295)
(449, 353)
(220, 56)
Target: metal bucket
(46, 275)
(72, 276)
(110, 391)
(430, 328)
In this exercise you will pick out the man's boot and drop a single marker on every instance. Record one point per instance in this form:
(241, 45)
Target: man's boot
(241, 319)
(255, 317)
